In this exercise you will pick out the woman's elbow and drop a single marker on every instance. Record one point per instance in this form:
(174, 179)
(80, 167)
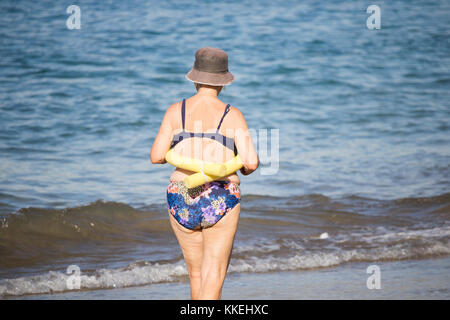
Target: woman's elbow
(253, 166)
(157, 158)
(250, 167)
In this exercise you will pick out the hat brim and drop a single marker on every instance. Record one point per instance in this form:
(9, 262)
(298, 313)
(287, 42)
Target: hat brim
(212, 79)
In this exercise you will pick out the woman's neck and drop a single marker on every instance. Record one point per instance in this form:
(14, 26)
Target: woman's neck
(208, 91)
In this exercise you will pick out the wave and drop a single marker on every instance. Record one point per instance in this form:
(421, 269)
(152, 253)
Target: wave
(266, 256)
(97, 220)
(38, 235)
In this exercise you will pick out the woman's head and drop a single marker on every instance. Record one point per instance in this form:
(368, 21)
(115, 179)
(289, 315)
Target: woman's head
(210, 68)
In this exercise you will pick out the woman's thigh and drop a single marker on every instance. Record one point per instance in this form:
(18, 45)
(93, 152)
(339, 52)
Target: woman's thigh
(191, 243)
(218, 240)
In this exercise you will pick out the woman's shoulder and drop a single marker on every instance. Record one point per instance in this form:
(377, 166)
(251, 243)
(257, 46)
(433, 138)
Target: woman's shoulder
(235, 111)
(174, 108)
(236, 114)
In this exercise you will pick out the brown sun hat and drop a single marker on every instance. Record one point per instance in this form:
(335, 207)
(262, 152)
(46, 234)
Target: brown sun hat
(210, 67)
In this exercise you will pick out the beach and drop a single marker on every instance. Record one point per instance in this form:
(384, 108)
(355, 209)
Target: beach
(351, 125)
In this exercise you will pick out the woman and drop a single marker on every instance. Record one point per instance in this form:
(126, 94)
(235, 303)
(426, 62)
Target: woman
(204, 219)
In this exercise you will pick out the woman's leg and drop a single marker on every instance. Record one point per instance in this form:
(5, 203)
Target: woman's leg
(191, 244)
(217, 246)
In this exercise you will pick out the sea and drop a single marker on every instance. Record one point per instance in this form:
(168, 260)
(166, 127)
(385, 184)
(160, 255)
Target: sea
(351, 122)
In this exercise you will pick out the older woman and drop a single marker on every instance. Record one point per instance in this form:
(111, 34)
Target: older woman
(204, 219)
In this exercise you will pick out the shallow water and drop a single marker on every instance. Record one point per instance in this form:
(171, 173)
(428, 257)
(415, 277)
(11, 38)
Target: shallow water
(400, 280)
(363, 119)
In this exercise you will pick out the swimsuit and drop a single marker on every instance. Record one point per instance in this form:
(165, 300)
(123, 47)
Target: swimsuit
(226, 141)
(202, 206)
(205, 205)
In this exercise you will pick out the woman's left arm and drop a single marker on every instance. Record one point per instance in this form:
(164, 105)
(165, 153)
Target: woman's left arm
(163, 139)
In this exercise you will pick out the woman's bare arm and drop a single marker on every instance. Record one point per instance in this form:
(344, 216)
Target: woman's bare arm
(244, 144)
(164, 138)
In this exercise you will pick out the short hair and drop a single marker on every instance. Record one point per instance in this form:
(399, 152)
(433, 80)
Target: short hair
(203, 85)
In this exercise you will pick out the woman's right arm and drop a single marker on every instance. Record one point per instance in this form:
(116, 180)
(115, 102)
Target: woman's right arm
(244, 144)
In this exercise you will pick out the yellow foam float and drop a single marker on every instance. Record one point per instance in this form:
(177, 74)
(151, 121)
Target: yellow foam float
(200, 178)
(205, 171)
(191, 164)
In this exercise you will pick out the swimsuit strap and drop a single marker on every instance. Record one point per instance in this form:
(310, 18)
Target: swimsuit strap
(224, 114)
(183, 111)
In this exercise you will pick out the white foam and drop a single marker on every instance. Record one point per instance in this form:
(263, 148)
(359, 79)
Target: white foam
(324, 236)
(104, 278)
(322, 259)
(258, 247)
(278, 255)
(384, 235)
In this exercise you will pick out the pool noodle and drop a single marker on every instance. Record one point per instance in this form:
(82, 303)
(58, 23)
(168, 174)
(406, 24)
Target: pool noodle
(211, 170)
(198, 178)
(191, 164)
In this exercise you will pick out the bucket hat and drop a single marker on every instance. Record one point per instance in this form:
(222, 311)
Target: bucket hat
(210, 67)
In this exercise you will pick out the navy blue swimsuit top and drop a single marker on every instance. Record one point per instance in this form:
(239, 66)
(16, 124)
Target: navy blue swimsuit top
(226, 141)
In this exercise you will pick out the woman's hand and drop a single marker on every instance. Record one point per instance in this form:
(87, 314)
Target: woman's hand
(245, 172)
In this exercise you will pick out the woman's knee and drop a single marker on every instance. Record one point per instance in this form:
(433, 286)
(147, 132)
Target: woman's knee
(195, 273)
(214, 273)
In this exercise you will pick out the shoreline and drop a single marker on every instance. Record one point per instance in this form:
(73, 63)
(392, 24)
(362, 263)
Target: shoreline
(403, 279)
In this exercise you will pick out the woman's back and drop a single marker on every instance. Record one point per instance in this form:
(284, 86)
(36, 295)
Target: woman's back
(204, 114)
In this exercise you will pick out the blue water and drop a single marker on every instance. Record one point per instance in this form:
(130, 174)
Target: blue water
(359, 112)
(363, 118)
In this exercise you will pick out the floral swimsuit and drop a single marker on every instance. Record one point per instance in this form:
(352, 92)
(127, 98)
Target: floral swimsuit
(203, 206)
